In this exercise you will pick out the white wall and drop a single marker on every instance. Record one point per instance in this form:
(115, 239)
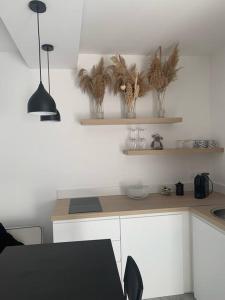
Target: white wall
(218, 111)
(38, 158)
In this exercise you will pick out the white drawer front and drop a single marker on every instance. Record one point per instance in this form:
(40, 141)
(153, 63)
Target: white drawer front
(116, 249)
(86, 230)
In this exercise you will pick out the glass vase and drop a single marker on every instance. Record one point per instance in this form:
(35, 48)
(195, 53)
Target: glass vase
(130, 110)
(160, 104)
(98, 110)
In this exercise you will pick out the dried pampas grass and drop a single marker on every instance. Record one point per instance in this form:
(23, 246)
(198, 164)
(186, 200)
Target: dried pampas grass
(162, 73)
(94, 84)
(127, 81)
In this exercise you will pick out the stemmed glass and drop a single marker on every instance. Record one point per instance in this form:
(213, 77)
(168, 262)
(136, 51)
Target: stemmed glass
(136, 140)
(141, 141)
(132, 139)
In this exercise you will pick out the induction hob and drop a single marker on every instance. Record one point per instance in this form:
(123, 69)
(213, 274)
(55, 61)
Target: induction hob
(84, 205)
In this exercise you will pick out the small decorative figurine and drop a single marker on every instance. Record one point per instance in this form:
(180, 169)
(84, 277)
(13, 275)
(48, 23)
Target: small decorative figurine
(166, 191)
(179, 189)
(156, 143)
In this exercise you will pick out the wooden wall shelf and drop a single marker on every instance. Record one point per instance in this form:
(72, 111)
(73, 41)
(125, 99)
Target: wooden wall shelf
(150, 120)
(173, 151)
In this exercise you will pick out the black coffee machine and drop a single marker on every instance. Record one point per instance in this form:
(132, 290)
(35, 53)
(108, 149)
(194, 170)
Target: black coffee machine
(201, 185)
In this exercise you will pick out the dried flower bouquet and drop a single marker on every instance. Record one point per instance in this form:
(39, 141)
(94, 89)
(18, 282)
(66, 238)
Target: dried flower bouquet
(128, 82)
(161, 73)
(94, 84)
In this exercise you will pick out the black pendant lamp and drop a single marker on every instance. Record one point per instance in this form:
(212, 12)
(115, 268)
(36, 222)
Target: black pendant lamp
(40, 103)
(54, 118)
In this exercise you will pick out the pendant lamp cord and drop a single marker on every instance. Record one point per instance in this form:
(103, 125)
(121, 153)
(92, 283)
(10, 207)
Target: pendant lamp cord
(49, 84)
(39, 47)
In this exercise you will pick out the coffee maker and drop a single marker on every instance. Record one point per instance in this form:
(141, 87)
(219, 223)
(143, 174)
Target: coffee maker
(201, 186)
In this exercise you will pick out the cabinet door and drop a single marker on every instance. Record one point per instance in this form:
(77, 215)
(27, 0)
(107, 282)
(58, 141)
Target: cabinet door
(208, 261)
(82, 230)
(90, 229)
(156, 244)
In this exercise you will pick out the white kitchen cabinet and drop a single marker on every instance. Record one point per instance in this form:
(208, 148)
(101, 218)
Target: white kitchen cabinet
(86, 229)
(159, 243)
(160, 246)
(208, 261)
(90, 229)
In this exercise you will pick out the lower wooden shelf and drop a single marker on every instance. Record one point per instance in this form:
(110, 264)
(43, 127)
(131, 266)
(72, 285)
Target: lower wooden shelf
(121, 121)
(174, 151)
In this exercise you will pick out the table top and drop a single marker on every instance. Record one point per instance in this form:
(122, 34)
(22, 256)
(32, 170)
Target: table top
(76, 270)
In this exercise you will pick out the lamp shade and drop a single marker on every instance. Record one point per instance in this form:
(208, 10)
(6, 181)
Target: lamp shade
(41, 103)
(53, 118)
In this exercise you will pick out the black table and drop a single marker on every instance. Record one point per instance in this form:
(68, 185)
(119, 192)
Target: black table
(78, 270)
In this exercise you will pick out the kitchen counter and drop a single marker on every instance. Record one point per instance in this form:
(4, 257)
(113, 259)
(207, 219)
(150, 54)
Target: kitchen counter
(205, 212)
(155, 203)
(167, 237)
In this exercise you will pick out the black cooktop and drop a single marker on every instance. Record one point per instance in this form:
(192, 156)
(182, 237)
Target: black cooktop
(84, 205)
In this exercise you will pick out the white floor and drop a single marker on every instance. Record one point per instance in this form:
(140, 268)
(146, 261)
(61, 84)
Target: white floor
(180, 297)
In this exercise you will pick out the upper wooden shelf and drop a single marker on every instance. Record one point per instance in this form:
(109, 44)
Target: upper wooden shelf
(149, 120)
(174, 151)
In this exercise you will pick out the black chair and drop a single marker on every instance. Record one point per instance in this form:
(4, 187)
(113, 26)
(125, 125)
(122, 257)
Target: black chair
(133, 285)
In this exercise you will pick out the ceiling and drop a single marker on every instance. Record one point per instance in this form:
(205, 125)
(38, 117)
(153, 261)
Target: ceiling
(60, 26)
(6, 42)
(138, 26)
(113, 26)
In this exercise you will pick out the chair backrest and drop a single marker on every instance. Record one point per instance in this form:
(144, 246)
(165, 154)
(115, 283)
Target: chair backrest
(27, 235)
(133, 285)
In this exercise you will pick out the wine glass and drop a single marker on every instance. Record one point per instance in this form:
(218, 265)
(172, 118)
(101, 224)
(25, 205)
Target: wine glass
(141, 140)
(132, 139)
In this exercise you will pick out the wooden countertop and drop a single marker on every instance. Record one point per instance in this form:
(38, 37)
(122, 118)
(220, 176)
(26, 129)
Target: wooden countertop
(205, 212)
(155, 203)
